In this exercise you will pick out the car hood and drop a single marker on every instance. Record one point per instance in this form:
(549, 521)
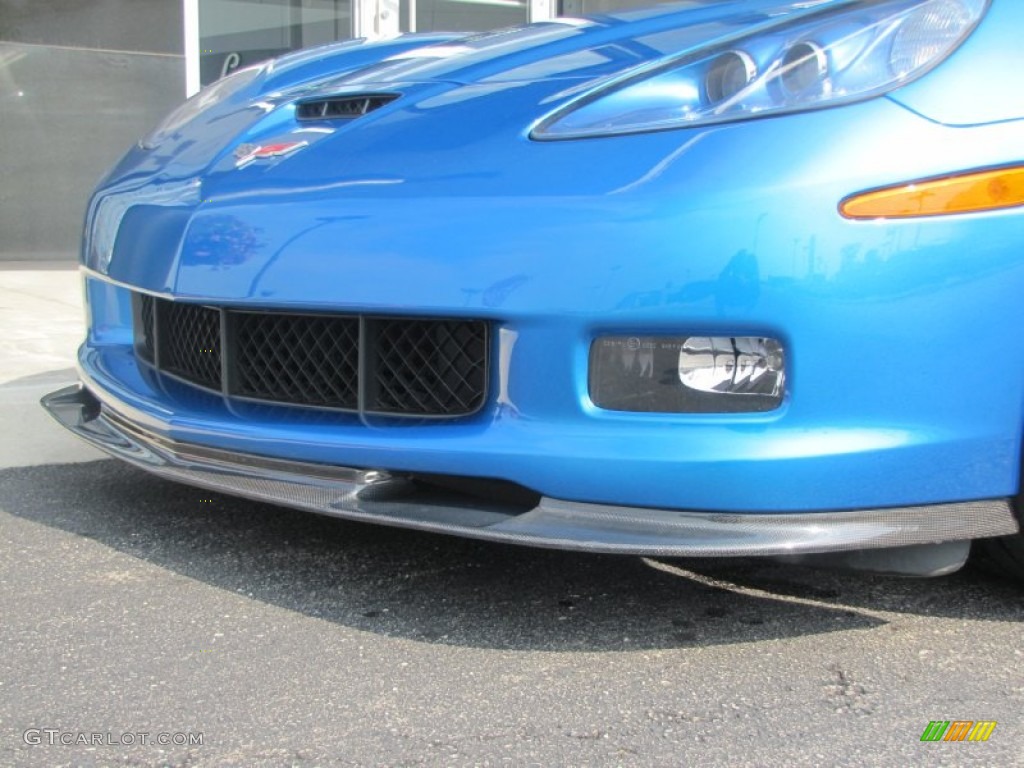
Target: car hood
(554, 61)
(580, 48)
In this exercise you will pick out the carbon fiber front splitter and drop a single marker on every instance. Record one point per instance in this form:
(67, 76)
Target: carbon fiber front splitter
(385, 497)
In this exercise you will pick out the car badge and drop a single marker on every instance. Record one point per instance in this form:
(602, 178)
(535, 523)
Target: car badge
(248, 153)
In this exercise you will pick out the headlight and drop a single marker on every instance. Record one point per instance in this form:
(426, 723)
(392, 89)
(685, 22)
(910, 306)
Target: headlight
(821, 54)
(210, 96)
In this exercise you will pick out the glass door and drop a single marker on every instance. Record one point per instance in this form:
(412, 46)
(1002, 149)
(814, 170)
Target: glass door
(237, 33)
(581, 7)
(224, 35)
(462, 15)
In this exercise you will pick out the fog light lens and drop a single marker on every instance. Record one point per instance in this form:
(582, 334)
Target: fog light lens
(731, 366)
(687, 374)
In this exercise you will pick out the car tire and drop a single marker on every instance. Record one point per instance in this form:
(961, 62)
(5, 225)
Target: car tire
(1005, 554)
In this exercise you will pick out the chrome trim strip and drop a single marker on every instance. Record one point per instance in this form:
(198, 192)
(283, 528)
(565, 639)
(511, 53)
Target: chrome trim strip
(384, 497)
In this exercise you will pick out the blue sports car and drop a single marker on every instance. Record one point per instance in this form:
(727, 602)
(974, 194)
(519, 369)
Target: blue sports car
(710, 279)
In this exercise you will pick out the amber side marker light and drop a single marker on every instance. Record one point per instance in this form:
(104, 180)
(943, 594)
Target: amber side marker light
(988, 190)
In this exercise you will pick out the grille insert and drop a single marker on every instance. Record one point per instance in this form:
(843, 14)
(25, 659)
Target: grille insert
(342, 107)
(431, 368)
(145, 315)
(301, 359)
(190, 342)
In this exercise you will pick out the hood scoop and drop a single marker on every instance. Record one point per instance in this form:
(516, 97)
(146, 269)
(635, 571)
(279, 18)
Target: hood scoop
(342, 107)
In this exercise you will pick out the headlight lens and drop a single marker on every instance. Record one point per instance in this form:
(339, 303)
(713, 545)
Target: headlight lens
(833, 55)
(728, 75)
(210, 96)
(929, 34)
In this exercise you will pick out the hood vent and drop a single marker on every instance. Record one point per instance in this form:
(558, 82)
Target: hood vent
(342, 107)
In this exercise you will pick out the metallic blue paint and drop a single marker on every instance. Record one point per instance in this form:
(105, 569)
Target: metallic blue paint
(904, 383)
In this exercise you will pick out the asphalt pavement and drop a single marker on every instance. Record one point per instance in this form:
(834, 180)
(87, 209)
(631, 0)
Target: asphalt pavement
(146, 623)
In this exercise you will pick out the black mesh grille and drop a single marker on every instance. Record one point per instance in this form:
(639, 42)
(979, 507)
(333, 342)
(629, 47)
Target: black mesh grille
(410, 366)
(147, 316)
(342, 107)
(429, 367)
(190, 342)
(303, 359)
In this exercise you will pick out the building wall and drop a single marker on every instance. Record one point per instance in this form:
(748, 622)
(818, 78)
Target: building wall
(80, 81)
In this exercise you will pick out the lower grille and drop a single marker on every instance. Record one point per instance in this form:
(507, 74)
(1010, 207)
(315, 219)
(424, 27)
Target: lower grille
(359, 363)
(299, 359)
(146, 316)
(190, 342)
(428, 366)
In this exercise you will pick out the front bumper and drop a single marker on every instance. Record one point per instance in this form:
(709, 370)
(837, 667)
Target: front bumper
(383, 497)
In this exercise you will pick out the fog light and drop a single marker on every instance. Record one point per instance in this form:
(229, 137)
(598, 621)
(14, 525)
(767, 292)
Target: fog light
(687, 374)
(731, 366)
